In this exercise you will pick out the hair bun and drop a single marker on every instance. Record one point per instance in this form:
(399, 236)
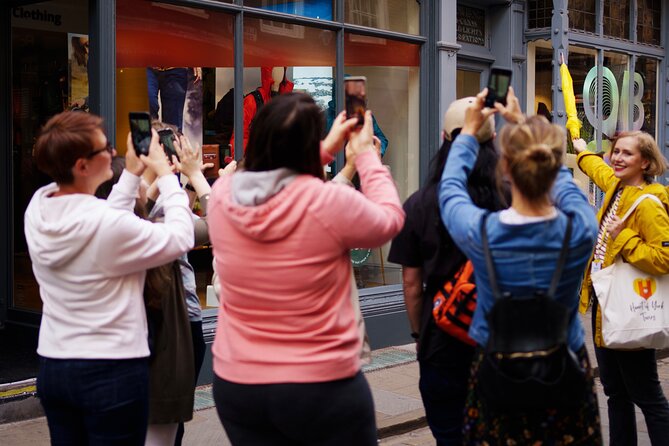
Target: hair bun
(539, 152)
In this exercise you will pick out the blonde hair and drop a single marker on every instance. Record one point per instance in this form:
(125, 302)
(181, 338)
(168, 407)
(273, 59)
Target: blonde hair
(649, 151)
(532, 151)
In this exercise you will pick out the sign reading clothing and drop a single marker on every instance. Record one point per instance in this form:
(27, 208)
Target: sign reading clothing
(471, 25)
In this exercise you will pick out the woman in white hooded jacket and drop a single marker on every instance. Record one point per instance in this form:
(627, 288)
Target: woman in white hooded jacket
(90, 258)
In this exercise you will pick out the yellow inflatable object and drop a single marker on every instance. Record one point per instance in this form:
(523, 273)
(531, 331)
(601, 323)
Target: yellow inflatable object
(573, 124)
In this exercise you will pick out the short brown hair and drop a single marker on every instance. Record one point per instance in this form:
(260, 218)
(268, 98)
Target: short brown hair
(533, 153)
(64, 139)
(649, 151)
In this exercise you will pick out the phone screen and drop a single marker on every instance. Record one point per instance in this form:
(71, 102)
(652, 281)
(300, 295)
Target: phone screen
(140, 129)
(167, 140)
(498, 86)
(356, 98)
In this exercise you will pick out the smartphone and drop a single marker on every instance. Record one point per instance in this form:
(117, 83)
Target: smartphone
(140, 130)
(167, 139)
(356, 97)
(498, 86)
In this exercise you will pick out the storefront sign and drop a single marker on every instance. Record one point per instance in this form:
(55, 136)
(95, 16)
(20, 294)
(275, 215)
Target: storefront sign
(471, 25)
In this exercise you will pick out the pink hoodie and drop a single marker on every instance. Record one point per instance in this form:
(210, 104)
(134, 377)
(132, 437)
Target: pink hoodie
(286, 313)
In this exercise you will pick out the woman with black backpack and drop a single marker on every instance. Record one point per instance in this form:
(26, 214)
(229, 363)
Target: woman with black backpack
(531, 379)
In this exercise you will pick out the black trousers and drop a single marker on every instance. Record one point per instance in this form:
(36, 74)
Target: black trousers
(329, 413)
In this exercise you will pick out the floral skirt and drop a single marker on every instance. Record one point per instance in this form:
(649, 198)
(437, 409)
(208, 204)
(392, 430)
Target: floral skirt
(579, 426)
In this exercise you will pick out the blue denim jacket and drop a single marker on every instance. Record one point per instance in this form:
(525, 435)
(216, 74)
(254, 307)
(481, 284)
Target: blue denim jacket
(524, 255)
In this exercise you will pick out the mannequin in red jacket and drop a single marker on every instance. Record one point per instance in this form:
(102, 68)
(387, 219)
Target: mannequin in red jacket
(273, 81)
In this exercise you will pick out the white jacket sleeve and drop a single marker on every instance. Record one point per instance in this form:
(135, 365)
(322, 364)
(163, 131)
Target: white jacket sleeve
(124, 192)
(131, 244)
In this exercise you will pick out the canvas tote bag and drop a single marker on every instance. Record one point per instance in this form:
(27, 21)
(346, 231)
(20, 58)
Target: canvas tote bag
(634, 304)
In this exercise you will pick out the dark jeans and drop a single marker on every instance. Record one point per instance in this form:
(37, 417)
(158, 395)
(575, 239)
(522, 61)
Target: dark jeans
(100, 402)
(444, 390)
(630, 377)
(172, 85)
(332, 413)
(199, 349)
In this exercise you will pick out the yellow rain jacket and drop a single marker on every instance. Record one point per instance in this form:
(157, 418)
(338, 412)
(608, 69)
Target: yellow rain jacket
(643, 242)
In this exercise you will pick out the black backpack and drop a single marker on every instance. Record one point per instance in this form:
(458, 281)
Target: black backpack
(224, 118)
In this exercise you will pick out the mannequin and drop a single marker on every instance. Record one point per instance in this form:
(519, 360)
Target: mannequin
(273, 81)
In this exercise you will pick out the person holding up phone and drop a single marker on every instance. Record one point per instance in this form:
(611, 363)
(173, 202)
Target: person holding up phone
(90, 258)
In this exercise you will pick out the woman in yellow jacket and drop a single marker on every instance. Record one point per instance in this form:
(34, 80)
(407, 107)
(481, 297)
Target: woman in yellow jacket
(629, 377)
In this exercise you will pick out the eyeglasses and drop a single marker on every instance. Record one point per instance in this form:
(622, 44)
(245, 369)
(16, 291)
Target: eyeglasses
(108, 148)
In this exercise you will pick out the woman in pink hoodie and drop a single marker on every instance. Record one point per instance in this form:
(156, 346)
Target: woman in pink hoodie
(286, 353)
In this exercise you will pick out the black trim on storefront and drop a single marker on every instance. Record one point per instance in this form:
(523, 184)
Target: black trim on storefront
(102, 63)
(6, 160)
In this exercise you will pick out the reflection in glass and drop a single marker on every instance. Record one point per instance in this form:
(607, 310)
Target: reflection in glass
(581, 62)
(317, 9)
(392, 73)
(649, 21)
(582, 15)
(167, 45)
(616, 18)
(394, 15)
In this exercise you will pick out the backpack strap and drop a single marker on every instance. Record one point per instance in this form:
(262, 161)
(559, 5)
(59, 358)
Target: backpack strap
(490, 266)
(638, 202)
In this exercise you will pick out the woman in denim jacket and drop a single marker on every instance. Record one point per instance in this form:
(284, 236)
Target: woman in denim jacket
(525, 242)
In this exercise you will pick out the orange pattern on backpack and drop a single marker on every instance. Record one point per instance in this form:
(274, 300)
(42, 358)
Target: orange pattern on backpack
(454, 304)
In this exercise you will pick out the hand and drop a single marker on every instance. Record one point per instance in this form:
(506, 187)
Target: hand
(156, 160)
(512, 112)
(228, 170)
(579, 145)
(132, 163)
(476, 115)
(340, 130)
(189, 162)
(377, 145)
(197, 74)
(615, 226)
(362, 140)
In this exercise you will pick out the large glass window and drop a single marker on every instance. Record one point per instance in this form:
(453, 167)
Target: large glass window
(645, 95)
(49, 75)
(317, 9)
(543, 81)
(467, 83)
(177, 63)
(649, 21)
(582, 15)
(392, 73)
(395, 15)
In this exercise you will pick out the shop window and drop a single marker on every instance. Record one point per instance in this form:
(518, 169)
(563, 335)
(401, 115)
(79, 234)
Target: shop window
(649, 21)
(471, 25)
(582, 15)
(49, 75)
(543, 81)
(539, 13)
(392, 73)
(160, 48)
(317, 9)
(645, 95)
(394, 15)
(581, 64)
(616, 18)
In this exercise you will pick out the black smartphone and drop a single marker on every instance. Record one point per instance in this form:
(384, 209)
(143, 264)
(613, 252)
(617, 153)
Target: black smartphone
(498, 86)
(356, 97)
(167, 139)
(140, 129)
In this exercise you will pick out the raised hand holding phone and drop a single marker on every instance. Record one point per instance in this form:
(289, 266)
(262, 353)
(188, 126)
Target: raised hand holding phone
(355, 91)
(140, 129)
(498, 86)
